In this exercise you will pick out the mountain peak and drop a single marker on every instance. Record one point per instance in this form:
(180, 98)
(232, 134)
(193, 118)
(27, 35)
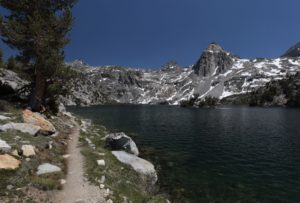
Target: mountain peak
(214, 47)
(214, 60)
(292, 52)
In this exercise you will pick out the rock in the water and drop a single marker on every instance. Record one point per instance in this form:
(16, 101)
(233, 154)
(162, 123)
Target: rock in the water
(28, 150)
(47, 168)
(8, 162)
(22, 127)
(142, 166)
(120, 141)
(4, 146)
(101, 162)
(38, 120)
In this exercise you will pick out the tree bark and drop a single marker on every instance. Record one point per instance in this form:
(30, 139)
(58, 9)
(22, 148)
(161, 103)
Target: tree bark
(38, 94)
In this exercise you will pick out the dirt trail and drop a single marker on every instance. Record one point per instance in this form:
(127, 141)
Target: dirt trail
(76, 189)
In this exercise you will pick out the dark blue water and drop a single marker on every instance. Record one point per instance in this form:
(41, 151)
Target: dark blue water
(214, 155)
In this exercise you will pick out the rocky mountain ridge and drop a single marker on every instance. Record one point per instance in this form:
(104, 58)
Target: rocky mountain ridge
(284, 92)
(217, 73)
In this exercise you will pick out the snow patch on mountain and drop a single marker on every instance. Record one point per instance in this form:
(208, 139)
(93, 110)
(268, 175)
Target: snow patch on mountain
(217, 73)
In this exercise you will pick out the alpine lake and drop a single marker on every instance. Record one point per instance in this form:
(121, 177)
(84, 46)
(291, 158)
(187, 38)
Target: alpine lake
(228, 154)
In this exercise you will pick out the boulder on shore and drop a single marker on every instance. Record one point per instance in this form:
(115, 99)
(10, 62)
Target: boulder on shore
(38, 120)
(142, 166)
(120, 141)
(8, 162)
(22, 127)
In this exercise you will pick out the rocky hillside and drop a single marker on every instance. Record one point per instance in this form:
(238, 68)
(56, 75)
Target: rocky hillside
(284, 92)
(11, 84)
(217, 73)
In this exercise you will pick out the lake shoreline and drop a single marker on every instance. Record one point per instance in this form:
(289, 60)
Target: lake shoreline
(203, 154)
(117, 173)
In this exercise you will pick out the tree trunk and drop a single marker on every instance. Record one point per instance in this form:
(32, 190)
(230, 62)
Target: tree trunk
(37, 97)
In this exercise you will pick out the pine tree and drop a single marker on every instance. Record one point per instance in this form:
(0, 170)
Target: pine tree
(38, 30)
(1, 58)
(11, 63)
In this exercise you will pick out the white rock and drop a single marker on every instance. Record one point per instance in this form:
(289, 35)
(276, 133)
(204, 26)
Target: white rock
(107, 191)
(101, 162)
(101, 186)
(102, 180)
(49, 145)
(66, 156)
(88, 141)
(11, 80)
(63, 181)
(28, 150)
(2, 118)
(68, 114)
(25, 142)
(4, 146)
(15, 153)
(109, 201)
(55, 134)
(142, 166)
(47, 168)
(22, 127)
(85, 124)
(61, 108)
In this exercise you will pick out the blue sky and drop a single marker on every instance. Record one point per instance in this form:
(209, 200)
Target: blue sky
(148, 33)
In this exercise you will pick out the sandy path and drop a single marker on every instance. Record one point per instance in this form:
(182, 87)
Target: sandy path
(77, 189)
